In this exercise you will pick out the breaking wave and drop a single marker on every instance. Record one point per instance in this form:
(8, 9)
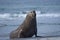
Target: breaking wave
(48, 15)
(17, 15)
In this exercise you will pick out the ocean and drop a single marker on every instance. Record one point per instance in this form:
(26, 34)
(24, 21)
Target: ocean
(13, 13)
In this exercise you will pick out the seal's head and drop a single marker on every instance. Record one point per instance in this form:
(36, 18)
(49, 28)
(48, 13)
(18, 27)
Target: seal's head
(32, 14)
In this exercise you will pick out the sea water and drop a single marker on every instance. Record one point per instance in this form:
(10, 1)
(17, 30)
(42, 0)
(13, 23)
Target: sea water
(13, 13)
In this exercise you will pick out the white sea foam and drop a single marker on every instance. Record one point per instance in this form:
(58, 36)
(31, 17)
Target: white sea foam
(39, 12)
(11, 16)
(48, 15)
(14, 16)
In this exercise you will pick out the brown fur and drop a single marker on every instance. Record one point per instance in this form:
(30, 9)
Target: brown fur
(28, 28)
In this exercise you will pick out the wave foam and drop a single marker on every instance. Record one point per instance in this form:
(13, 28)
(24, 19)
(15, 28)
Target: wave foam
(48, 15)
(14, 16)
(11, 16)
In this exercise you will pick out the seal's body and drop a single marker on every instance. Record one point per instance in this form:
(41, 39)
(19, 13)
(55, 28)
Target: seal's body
(28, 28)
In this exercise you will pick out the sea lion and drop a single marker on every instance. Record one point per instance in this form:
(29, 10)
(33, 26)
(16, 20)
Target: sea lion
(28, 28)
